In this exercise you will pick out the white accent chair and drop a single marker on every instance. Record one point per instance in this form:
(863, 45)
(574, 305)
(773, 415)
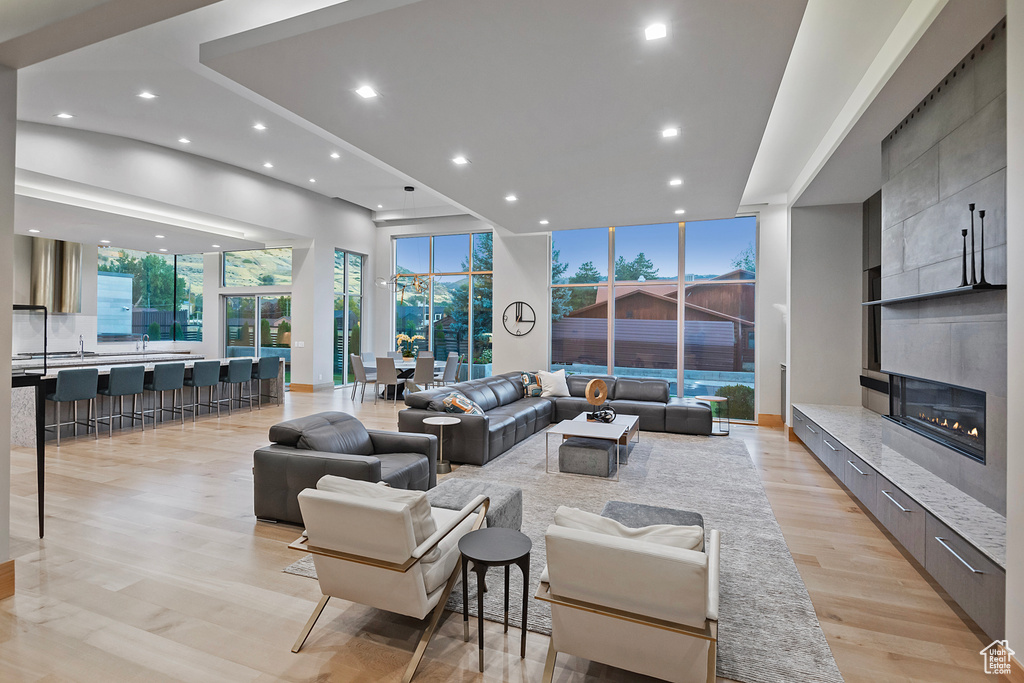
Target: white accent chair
(648, 608)
(363, 538)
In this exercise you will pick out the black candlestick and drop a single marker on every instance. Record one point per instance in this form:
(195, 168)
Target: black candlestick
(981, 215)
(974, 278)
(963, 277)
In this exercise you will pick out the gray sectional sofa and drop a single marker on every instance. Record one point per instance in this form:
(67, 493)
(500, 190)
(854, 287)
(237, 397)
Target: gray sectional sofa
(510, 417)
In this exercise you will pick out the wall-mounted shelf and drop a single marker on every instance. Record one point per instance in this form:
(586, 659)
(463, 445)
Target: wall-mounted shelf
(942, 294)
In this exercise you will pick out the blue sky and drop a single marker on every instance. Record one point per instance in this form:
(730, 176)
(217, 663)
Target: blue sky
(710, 245)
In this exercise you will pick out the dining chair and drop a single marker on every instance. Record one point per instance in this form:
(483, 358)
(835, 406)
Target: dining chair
(205, 373)
(425, 353)
(125, 380)
(166, 377)
(388, 376)
(359, 370)
(367, 357)
(238, 371)
(397, 355)
(424, 373)
(449, 375)
(266, 369)
(75, 385)
(458, 369)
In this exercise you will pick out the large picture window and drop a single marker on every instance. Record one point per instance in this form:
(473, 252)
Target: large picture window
(258, 268)
(139, 293)
(628, 324)
(443, 294)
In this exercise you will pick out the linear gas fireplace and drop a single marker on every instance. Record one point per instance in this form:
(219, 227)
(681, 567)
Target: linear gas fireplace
(954, 416)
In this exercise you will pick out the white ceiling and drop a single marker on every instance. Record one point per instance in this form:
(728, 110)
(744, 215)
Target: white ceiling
(99, 84)
(561, 103)
(837, 42)
(854, 171)
(90, 226)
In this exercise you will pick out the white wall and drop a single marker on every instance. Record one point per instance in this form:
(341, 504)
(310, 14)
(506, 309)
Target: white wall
(8, 127)
(825, 310)
(522, 272)
(772, 276)
(1015, 326)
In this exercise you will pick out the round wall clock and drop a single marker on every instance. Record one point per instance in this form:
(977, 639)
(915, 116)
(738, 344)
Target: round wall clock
(519, 318)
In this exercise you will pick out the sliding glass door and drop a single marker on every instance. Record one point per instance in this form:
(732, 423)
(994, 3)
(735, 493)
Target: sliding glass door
(348, 313)
(268, 334)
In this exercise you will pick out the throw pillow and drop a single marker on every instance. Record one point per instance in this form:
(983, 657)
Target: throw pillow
(423, 524)
(531, 384)
(437, 401)
(685, 537)
(553, 383)
(458, 403)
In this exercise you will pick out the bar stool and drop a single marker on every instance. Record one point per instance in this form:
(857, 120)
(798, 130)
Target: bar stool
(266, 369)
(75, 385)
(238, 371)
(167, 377)
(124, 380)
(205, 373)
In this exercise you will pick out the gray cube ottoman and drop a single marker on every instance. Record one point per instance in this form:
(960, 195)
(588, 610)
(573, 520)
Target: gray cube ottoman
(637, 515)
(506, 506)
(595, 457)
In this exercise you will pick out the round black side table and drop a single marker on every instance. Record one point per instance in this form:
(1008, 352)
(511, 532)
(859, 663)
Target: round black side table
(493, 547)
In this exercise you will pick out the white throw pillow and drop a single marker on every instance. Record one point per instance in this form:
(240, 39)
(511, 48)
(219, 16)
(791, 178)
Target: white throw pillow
(685, 537)
(553, 383)
(423, 524)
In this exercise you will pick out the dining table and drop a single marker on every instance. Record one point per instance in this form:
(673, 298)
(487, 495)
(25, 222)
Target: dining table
(406, 368)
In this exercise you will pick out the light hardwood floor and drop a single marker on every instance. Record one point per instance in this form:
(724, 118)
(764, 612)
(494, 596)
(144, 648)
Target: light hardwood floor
(154, 569)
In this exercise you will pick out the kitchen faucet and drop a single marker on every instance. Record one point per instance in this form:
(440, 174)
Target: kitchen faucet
(81, 347)
(145, 340)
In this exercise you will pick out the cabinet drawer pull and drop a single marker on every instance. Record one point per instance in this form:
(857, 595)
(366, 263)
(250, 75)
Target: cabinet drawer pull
(830, 445)
(895, 502)
(811, 429)
(798, 418)
(962, 560)
(859, 470)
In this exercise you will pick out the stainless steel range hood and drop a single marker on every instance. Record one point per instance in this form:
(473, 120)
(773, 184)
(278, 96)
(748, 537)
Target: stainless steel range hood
(57, 275)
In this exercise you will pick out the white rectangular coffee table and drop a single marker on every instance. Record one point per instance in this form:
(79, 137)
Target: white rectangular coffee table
(620, 431)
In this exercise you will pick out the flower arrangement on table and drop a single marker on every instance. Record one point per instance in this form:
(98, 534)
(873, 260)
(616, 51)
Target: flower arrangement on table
(406, 344)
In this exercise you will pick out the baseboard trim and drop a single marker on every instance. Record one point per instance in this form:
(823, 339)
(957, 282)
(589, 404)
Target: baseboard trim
(6, 579)
(301, 388)
(792, 435)
(770, 421)
(1016, 671)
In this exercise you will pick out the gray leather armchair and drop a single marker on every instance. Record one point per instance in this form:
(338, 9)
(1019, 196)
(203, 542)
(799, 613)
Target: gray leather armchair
(336, 443)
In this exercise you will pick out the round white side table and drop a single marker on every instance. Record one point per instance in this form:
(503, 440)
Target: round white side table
(442, 421)
(724, 426)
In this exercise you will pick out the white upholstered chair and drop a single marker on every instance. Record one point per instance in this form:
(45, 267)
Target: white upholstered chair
(385, 548)
(647, 608)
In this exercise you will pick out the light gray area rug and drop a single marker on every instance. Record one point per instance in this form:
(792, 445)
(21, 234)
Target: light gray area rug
(768, 631)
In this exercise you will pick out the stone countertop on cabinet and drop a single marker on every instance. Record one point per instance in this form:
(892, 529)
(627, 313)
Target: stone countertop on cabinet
(104, 363)
(860, 430)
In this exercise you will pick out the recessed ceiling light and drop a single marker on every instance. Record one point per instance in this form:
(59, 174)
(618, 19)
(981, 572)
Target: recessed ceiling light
(335, 155)
(312, 180)
(511, 198)
(544, 221)
(380, 206)
(268, 165)
(259, 126)
(184, 141)
(146, 95)
(215, 246)
(680, 212)
(162, 249)
(675, 182)
(32, 230)
(64, 115)
(159, 237)
(366, 91)
(460, 160)
(670, 132)
(655, 31)
(104, 241)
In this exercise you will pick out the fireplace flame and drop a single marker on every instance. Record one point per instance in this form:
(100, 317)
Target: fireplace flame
(943, 422)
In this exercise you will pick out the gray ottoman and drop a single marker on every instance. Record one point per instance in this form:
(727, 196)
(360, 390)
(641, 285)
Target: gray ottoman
(506, 506)
(595, 457)
(636, 515)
